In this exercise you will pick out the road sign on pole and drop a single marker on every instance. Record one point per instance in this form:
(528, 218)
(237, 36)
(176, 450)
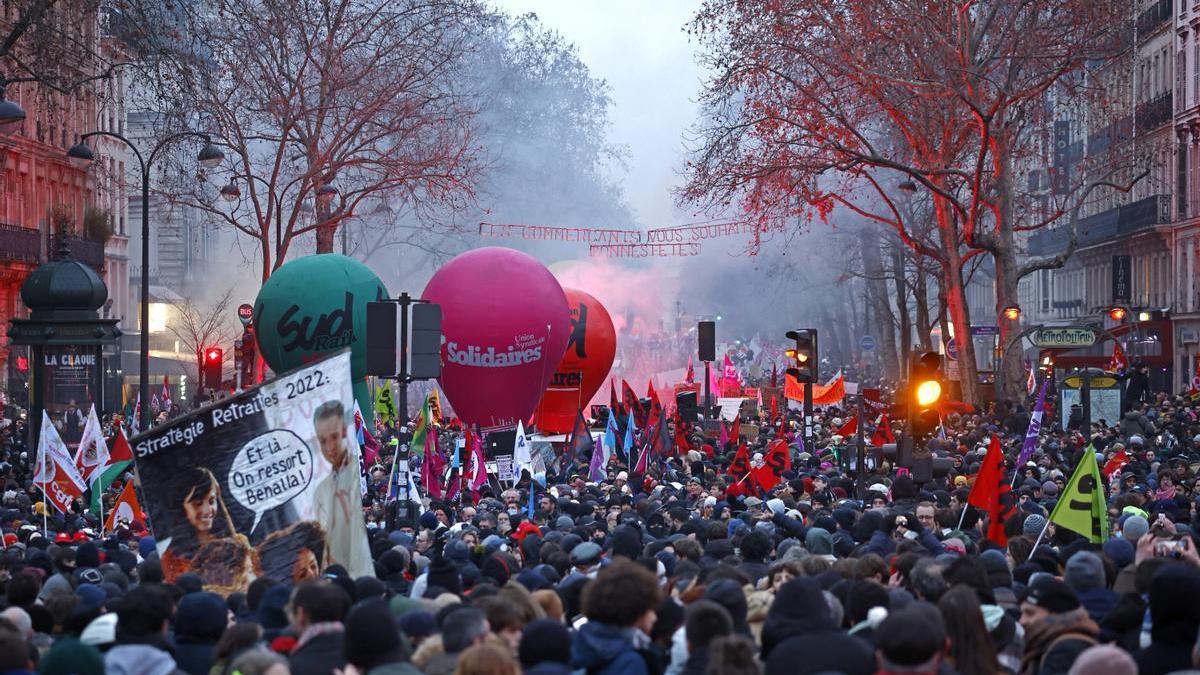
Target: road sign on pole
(867, 343)
(952, 350)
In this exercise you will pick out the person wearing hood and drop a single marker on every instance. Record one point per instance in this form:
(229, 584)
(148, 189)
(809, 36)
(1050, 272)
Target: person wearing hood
(200, 620)
(1174, 618)
(142, 647)
(1085, 576)
(800, 622)
(373, 641)
(620, 608)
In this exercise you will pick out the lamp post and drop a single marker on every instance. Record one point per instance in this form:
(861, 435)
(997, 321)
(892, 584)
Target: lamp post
(210, 156)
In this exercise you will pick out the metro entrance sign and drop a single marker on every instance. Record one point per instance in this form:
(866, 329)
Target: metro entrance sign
(1067, 336)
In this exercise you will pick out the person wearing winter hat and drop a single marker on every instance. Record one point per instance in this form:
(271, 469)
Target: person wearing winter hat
(1085, 576)
(373, 642)
(69, 656)
(1174, 618)
(545, 648)
(1033, 525)
(1133, 527)
(200, 620)
(1057, 628)
(442, 577)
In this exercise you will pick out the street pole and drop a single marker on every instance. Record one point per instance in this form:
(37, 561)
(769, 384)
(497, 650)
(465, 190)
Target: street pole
(209, 156)
(707, 391)
(144, 318)
(405, 300)
(862, 450)
(808, 413)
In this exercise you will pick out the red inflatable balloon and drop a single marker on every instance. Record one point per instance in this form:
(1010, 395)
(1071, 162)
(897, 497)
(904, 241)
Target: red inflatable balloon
(584, 366)
(504, 328)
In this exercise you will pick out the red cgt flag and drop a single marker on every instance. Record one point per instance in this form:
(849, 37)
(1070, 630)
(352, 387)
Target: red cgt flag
(992, 493)
(740, 466)
(883, 432)
(849, 428)
(776, 462)
(1115, 464)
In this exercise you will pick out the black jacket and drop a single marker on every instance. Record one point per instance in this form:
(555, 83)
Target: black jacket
(319, 656)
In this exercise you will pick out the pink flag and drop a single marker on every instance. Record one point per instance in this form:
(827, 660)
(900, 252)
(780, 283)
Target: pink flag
(478, 475)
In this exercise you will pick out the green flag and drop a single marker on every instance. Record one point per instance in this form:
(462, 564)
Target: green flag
(1081, 506)
(417, 446)
(103, 480)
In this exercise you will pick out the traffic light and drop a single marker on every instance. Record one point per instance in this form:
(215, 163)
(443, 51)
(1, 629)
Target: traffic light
(1117, 313)
(925, 392)
(803, 355)
(214, 360)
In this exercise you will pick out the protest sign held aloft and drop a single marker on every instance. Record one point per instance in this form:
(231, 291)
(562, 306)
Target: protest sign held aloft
(264, 483)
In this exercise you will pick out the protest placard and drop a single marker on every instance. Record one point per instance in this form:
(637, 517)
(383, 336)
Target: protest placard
(262, 483)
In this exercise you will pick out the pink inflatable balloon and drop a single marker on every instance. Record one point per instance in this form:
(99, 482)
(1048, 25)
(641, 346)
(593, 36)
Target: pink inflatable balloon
(505, 325)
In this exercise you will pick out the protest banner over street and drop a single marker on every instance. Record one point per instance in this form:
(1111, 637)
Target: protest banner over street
(262, 483)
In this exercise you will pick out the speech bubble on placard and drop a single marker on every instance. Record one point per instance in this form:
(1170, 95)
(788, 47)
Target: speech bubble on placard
(272, 469)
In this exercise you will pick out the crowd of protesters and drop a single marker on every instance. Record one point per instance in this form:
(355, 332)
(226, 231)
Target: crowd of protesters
(676, 571)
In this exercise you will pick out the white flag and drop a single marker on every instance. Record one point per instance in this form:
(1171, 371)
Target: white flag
(522, 458)
(55, 471)
(92, 456)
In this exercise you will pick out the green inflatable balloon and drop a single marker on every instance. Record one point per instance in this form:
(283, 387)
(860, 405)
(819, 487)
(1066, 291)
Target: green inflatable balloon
(313, 306)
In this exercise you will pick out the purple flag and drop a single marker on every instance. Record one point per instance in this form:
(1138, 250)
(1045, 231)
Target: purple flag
(596, 466)
(1035, 427)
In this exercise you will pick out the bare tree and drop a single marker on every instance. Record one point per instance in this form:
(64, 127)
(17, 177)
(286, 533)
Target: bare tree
(200, 325)
(865, 105)
(325, 108)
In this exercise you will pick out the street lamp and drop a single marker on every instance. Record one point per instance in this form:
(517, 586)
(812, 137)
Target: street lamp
(1117, 313)
(209, 157)
(1012, 312)
(12, 115)
(230, 192)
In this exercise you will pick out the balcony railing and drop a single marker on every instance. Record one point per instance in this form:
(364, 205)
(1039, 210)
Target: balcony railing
(88, 252)
(1154, 16)
(1105, 226)
(20, 244)
(1155, 113)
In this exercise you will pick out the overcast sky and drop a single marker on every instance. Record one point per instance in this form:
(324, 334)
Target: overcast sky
(640, 48)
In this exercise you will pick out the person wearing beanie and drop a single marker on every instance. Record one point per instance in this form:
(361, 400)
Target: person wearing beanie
(1133, 528)
(1174, 618)
(69, 656)
(200, 620)
(442, 577)
(1033, 525)
(1057, 628)
(373, 642)
(545, 648)
(1085, 576)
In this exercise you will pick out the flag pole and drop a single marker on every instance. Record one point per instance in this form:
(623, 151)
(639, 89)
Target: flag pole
(963, 516)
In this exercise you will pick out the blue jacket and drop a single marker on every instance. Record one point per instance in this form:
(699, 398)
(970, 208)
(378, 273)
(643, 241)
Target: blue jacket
(602, 649)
